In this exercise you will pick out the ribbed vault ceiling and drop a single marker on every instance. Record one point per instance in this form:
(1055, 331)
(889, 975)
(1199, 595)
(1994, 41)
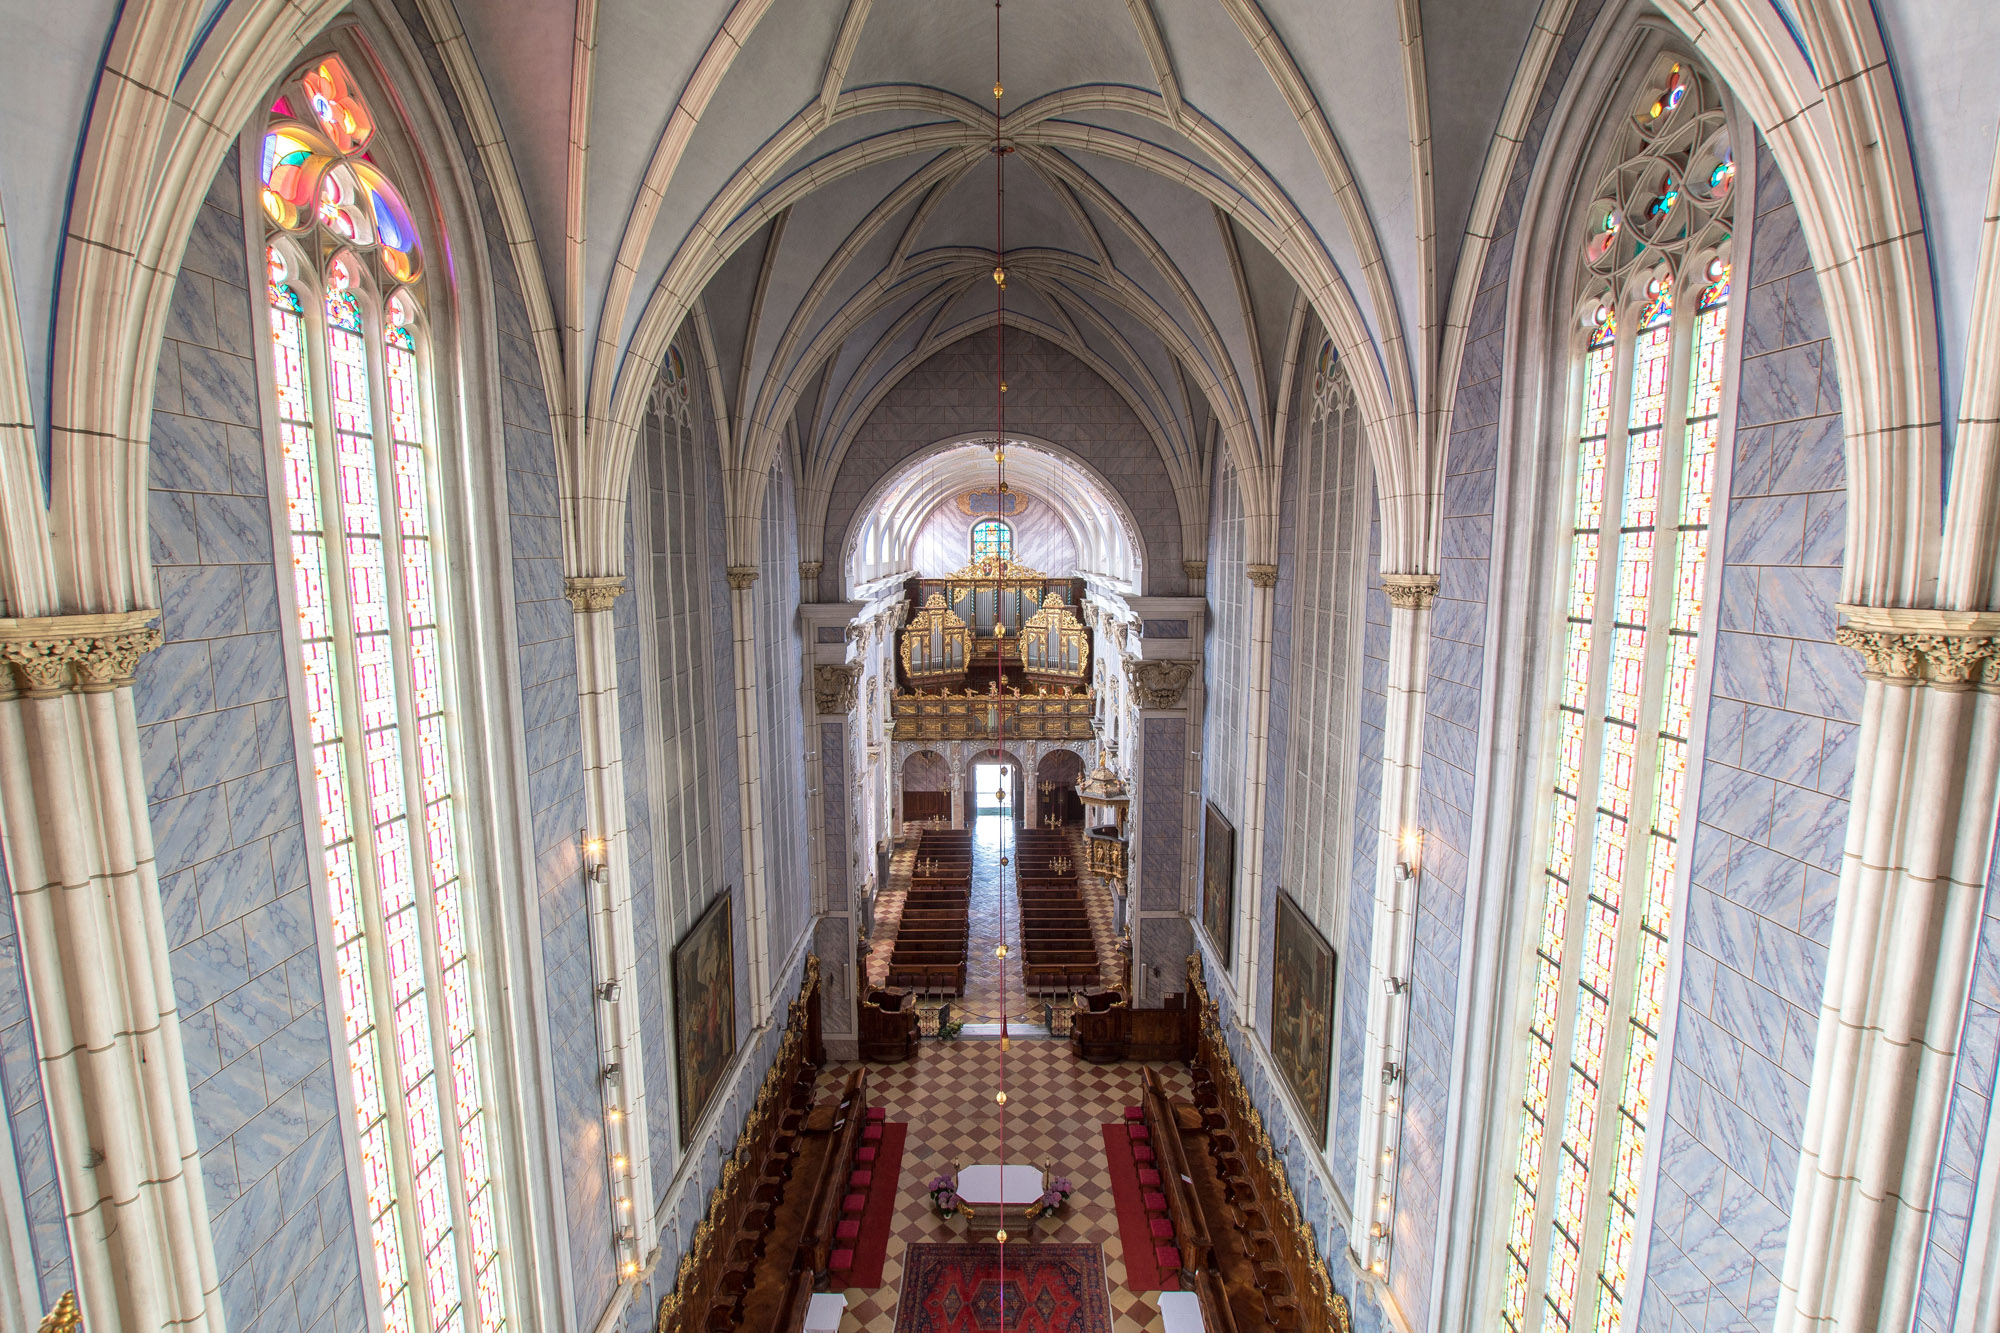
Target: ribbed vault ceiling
(814, 183)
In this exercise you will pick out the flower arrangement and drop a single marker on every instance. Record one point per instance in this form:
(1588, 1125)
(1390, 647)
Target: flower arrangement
(944, 1195)
(1053, 1197)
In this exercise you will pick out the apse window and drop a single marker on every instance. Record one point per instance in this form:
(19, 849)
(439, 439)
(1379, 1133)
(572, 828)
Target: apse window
(1652, 334)
(351, 364)
(992, 540)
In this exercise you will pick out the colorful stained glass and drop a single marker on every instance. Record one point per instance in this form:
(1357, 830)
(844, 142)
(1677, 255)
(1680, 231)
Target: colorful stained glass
(366, 573)
(1676, 706)
(352, 950)
(992, 539)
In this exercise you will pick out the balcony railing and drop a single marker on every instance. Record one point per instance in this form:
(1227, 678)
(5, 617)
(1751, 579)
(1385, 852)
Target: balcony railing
(976, 717)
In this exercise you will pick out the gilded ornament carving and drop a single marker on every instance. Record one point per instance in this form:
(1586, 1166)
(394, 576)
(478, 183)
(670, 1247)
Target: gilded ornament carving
(1411, 592)
(593, 593)
(1159, 684)
(50, 654)
(1262, 576)
(742, 576)
(834, 688)
(65, 1318)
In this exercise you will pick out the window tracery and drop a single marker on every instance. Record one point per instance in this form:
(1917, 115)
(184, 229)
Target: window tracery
(1655, 264)
(351, 380)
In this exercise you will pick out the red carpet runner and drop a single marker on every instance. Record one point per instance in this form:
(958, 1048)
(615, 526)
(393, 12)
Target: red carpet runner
(871, 1250)
(1048, 1289)
(1142, 1273)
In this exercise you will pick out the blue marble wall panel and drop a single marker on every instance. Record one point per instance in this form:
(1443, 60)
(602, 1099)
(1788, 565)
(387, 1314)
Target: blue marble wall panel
(1350, 1058)
(27, 1115)
(1965, 1135)
(1277, 750)
(834, 812)
(229, 840)
(781, 720)
(1775, 772)
(1162, 813)
(656, 1051)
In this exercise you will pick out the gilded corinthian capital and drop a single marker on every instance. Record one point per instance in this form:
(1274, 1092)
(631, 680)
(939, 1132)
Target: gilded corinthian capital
(1911, 645)
(592, 593)
(48, 655)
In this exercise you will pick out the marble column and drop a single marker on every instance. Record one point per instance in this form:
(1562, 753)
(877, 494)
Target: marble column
(1246, 966)
(93, 947)
(614, 950)
(1398, 880)
(750, 771)
(835, 937)
(1906, 922)
(1165, 849)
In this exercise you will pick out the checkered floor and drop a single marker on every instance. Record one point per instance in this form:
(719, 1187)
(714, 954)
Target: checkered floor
(1055, 1105)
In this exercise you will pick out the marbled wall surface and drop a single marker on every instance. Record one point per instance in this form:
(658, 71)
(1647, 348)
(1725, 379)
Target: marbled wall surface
(1051, 396)
(1775, 773)
(943, 545)
(1351, 1056)
(781, 721)
(27, 1116)
(1162, 813)
(230, 846)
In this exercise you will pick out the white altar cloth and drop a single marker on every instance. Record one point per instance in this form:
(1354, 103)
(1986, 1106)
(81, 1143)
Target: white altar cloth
(1009, 1186)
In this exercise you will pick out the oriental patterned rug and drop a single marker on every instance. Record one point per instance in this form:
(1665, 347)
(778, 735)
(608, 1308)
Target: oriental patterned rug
(1043, 1289)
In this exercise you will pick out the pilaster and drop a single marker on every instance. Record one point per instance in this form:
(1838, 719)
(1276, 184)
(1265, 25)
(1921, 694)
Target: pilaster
(614, 951)
(1164, 841)
(1246, 967)
(1906, 922)
(1398, 877)
(836, 830)
(93, 943)
(750, 768)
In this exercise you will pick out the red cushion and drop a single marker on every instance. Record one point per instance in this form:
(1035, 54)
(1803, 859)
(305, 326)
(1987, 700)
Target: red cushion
(1161, 1228)
(1155, 1201)
(859, 1180)
(847, 1230)
(1134, 1113)
(1168, 1257)
(1148, 1176)
(872, 1132)
(1140, 1153)
(854, 1203)
(842, 1260)
(878, 1113)
(864, 1154)
(1139, 1131)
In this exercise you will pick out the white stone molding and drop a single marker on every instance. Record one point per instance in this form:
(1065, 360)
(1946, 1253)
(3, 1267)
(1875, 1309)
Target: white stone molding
(93, 943)
(614, 951)
(1906, 922)
(1398, 875)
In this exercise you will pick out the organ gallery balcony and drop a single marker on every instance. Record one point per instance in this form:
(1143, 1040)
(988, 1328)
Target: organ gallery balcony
(973, 715)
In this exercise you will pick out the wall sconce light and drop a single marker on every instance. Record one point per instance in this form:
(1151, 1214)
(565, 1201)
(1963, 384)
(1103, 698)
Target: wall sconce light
(1395, 985)
(612, 1074)
(596, 865)
(1380, 1231)
(1411, 843)
(608, 992)
(1391, 1072)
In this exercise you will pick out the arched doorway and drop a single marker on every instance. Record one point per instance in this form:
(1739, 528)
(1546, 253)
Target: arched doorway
(926, 787)
(1055, 789)
(995, 784)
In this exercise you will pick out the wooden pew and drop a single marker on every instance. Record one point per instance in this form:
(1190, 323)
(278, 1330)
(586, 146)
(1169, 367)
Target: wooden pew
(1184, 1210)
(823, 1207)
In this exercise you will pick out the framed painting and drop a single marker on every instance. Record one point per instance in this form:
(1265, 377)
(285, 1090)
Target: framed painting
(704, 1011)
(1218, 882)
(1302, 1012)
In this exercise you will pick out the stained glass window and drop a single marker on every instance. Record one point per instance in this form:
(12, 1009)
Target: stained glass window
(1647, 432)
(991, 538)
(359, 470)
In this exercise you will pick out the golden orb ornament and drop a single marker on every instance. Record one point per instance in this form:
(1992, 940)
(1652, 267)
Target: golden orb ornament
(1000, 276)
(1000, 1236)
(1000, 1097)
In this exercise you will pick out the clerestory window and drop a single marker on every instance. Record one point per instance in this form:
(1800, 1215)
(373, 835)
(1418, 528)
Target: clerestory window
(347, 294)
(1651, 350)
(992, 539)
